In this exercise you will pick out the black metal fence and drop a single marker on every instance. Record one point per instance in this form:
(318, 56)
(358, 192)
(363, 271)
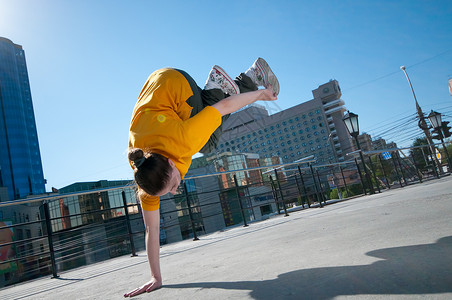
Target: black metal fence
(47, 235)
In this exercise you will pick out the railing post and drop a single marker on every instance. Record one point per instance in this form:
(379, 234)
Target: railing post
(322, 192)
(372, 168)
(275, 194)
(343, 178)
(384, 172)
(418, 172)
(360, 176)
(240, 201)
(50, 240)
(315, 186)
(129, 228)
(281, 193)
(401, 168)
(193, 228)
(397, 171)
(304, 187)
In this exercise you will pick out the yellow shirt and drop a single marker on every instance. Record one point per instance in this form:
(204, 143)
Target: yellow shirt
(161, 122)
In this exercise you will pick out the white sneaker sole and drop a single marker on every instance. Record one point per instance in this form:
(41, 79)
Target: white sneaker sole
(269, 76)
(233, 86)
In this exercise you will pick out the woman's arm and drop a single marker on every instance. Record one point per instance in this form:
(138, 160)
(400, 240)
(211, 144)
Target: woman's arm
(235, 102)
(152, 223)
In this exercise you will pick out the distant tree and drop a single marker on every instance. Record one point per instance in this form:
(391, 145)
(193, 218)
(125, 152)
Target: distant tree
(387, 167)
(420, 156)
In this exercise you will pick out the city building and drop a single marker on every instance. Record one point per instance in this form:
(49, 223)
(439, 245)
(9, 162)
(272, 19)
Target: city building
(20, 158)
(365, 141)
(379, 144)
(91, 227)
(314, 128)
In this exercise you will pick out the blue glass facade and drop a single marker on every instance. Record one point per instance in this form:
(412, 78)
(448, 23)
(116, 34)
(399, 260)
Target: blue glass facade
(20, 158)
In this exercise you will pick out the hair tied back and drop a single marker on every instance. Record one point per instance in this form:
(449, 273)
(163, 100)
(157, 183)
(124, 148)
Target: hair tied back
(139, 161)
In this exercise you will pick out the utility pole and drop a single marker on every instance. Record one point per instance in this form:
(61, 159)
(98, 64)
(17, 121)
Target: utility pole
(423, 124)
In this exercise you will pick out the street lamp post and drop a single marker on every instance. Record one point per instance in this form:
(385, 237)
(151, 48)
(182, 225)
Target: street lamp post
(351, 122)
(435, 119)
(422, 124)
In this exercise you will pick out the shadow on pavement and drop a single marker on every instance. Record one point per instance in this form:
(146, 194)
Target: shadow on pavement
(418, 269)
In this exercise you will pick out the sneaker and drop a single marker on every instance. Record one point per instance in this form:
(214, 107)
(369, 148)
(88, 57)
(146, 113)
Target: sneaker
(261, 74)
(219, 79)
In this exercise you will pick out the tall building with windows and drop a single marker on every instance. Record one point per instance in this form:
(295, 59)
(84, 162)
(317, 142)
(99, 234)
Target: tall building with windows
(314, 127)
(20, 158)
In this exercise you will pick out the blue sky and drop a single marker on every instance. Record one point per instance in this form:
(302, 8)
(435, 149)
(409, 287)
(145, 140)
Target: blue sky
(88, 59)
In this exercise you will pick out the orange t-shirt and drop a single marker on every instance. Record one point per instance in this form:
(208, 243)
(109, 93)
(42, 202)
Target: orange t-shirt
(161, 123)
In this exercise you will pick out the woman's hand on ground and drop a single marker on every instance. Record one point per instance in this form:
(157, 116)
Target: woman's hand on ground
(147, 287)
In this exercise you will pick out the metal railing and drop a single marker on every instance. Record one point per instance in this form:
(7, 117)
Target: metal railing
(75, 229)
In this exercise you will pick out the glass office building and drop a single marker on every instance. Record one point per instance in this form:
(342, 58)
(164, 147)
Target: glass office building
(20, 158)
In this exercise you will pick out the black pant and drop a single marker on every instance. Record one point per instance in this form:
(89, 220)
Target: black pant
(202, 98)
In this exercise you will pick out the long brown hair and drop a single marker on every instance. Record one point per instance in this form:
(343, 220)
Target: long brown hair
(152, 171)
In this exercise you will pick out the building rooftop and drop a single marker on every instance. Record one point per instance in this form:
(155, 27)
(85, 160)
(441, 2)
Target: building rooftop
(396, 243)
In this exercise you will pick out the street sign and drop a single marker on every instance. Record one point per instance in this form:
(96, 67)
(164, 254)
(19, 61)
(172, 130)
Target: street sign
(438, 155)
(386, 155)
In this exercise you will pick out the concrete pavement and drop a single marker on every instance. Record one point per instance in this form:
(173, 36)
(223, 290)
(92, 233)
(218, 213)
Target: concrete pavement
(396, 245)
